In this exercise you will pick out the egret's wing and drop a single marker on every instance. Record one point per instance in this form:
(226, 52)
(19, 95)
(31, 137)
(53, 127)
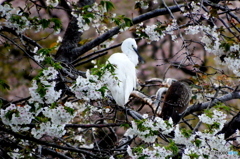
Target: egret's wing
(130, 83)
(126, 73)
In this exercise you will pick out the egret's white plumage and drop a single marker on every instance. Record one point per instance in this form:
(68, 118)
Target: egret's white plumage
(125, 71)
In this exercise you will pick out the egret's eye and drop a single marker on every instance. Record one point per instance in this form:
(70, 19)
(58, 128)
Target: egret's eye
(133, 47)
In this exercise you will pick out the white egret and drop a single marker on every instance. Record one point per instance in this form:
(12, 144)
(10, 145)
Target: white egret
(125, 71)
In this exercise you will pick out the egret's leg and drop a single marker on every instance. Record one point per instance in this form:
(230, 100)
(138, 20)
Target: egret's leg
(126, 113)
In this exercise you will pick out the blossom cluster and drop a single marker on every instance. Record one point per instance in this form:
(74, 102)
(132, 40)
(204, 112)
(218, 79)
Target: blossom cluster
(59, 115)
(233, 64)
(15, 154)
(144, 4)
(203, 143)
(148, 129)
(153, 152)
(48, 129)
(94, 86)
(194, 11)
(213, 44)
(52, 3)
(216, 116)
(49, 94)
(82, 24)
(43, 94)
(96, 14)
(87, 88)
(152, 34)
(17, 117)
(15, 19)
(210, 38)
(199, 143)
(206, 144)
(232, 59)
(43, 104)
(156, 32)
(58, 118)
(171, 28)
(38, 57)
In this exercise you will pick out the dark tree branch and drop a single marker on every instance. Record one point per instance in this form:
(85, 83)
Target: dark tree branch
(95, 52)
(25, 137)
(231, 127)
(205, 105)
(90, 59)
(25, 38)
(29, 54)
(48, 151)
(93, 125)
(144, 98)
(68, 10)
(223, 8)
(75, 52)
(71, 37)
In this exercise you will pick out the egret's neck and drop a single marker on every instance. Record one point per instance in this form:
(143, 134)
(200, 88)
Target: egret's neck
(133, 57)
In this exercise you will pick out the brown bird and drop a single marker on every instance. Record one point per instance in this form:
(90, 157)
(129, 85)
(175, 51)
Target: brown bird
(176, 100)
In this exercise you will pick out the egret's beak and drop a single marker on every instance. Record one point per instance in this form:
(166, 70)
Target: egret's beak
(140, 59)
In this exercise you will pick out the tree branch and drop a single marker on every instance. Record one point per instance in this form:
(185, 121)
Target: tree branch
(92, 125)
(231, 127)
(76, 52)
(202, 106)
(71, 37)
(47, 143)
(143, 97)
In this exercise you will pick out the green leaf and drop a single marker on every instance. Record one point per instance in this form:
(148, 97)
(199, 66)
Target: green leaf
(41, 119)
(4, 85)
(172, 147)
(126, 126)
(222, 106)
(45, 23)
(86, 7)
(128, 22)
(117, 21)
(186, 132)
(57, 23)
(138, 149)
(208, 113)
(225, 46)
(197, 142)
(193, 155)
(44, 51)
(215, 125)
(103, 68)
(25, 14)
(48, 60)
(87, 17)
(109, 5)
(103, 90)
(10, 113)
(57, 65)
(69, 110)
(41, 90)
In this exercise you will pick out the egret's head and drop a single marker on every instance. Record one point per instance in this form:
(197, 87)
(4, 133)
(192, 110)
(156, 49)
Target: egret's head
(129, 47)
